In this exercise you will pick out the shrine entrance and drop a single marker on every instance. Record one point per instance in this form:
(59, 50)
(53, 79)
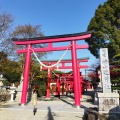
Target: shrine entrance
(64, 79)
(72, 38)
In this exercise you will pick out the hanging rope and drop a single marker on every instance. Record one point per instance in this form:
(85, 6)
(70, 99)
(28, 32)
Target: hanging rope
(70, 75)
(57, 67)
(55, 74)
(53, 64)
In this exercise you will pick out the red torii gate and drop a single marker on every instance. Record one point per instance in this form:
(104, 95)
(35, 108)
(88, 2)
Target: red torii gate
(52, 39)
(63, 62)
(68, 79)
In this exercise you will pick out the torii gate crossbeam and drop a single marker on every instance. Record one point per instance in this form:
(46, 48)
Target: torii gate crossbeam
(51, 48)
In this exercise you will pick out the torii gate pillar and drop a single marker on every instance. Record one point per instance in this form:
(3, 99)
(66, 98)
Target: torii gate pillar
(26, 76)
(75, 75)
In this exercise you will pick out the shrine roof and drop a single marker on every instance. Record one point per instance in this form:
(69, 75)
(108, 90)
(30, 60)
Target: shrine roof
(54, 37)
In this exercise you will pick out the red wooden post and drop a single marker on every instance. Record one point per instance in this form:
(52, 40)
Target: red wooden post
(75, 75)
(26, 76)
(79, 78)
(48, 85)
(58, 87)
(62, 88)
(66, 86)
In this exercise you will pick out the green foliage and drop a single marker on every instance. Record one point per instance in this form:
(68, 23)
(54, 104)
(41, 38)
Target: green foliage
(41, 86)
(95, 80)
(43, 75)
(10, 70)
(115, 87)
(115, 69)
(116, 60)
(115, 73)
(6, 83)
(115, 81)
(69, 72)
(41, 81)
(42, 89)
(58, 72)
(106, 24)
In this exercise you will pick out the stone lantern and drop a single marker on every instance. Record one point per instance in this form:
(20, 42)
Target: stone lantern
(12, 92)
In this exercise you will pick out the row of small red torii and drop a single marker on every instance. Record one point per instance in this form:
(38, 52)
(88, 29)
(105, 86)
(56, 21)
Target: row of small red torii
(64, 75)
(50, 40)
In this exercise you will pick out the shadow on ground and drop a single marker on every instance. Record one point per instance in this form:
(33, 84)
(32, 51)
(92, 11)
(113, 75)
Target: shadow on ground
(50, 116)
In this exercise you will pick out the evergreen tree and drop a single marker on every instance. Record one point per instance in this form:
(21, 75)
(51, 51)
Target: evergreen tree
(115, 71)
(106, 26)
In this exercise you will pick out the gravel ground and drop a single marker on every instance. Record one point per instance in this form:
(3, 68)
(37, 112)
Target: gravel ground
(61, 109)
(40, 115)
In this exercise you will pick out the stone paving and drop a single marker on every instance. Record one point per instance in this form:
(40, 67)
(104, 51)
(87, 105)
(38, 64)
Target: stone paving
(58, 109)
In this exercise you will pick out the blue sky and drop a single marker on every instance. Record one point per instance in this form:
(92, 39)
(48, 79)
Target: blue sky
(56, 17)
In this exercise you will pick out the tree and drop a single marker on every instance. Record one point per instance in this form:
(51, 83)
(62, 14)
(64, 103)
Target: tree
(116, 61)
(29, 31)
(3, 56)
(93, 73)
(115, 71)
(11, 70)
(25, 32)
(106, 26)
(6, 21)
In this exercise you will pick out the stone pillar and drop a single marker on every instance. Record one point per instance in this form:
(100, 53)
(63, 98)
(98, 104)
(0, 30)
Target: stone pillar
(12, 92)
(19, 92)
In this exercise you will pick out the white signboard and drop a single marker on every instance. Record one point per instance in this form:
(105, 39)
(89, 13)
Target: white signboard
(105, 72)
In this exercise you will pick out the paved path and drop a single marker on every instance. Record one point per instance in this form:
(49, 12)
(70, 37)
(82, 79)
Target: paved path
(60, 109)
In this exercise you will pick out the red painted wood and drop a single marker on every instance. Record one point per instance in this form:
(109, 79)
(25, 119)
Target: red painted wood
(26, 76)
(75, 75)
(62, 88)
(48, 84)
(65, 67)
(58, 87)
(50, 48)
(65, 61)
